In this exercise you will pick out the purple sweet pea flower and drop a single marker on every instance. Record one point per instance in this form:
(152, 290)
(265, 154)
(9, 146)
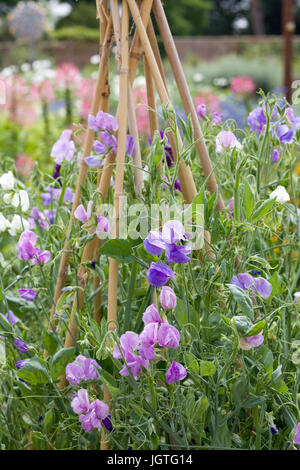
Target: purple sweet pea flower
(130, 146)
(175, 372)
(217, 119)
(151, 315)
(201, 110)
(256, 340)
(39, 217)
(109, 142)
(20, 364)
(50, 215)
(41, 257)
(80, 402)
(26, 248)
(93, 161)
(135, 364)
(285, 134)
(243, 280)
(257, 120)
(159, 274)
(168, 336)
(10, 317)
(107, 423)
(275, 156)
(64, 148)
(102, 121)
(82, 368)
(28, 294)
(177, 253)
(154, 243)
(263, 287)
(129, 342)
(56, 173)
(20, 345)
(81, 214)
(173, 231)
(168, 298)
(296, 439)
(103, 224)
(148, 339)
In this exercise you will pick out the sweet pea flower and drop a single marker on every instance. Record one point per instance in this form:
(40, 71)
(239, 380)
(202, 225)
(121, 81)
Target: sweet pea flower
(4, 223)
(263, 287)
(245, 281)
(20, 345)
(64, 148)
(109, 143)
(129, 342)
(159, 274)
(80, 402)
(82, 368)
(7, 181)
(135, 364)
(201, 110)
(168, 336)
(280, 195)
(296, 439)
(102, 121)
(21, 199)
(26, 248)
(81, 214)
(148, 339)
(93, 161)
(297, 297)
(103, 224)
(168, 298)
(154, 244)
(250, 342)
(285, 134)
(130, 146)
(28, 294)
(275, 156)
(217, 119)
(177, 253)
(10, 317)
(175, 372)
(151, 315)
(21, 363)
(173, 231)
(226, 140)
(257, 119)
(18, 224)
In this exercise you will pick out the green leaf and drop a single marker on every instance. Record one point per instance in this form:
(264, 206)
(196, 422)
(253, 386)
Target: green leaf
(185, 314)
(249, 199)
(118, 248)
(277, 382)
(262, 210)
(60, 360)
(242, 299)
(253, 401)
(207, 368)
(200, 408)
(34, 372)
(192, 363)
(238, 390)
(256, 328)
(50, 342)
(109, 381)
(242, 323)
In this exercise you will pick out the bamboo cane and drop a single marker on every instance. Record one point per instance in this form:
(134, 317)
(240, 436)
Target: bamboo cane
(155, 48)
(187, 101)
(184, 172)
(82, 172)
(120, 159)
(153, 121)
(137, 159)
(136, 50)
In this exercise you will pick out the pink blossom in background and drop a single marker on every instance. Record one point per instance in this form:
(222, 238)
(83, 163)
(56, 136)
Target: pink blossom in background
(208, 98)
(139, 96)
(20, 104)
(43, 91)
(67, 75)
(23, 164)
(85, 92)
(243, 85)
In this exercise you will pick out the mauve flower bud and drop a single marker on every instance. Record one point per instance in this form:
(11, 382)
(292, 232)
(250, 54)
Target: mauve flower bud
(167, 298)
(175, 372)
(20, 345)
(168, 336)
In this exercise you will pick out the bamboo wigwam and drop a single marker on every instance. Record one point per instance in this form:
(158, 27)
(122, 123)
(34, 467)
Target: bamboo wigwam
(115, 29)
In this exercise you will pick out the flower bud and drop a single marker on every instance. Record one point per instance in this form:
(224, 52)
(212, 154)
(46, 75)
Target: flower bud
(167, 298)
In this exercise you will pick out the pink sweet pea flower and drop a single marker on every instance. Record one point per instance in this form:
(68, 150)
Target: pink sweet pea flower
(81, 214)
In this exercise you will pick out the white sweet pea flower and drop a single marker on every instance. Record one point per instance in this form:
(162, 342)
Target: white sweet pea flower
(17, 226)
(21, 197)
(280, 195)
(7, 198)
(7, 181)
(4, 223)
